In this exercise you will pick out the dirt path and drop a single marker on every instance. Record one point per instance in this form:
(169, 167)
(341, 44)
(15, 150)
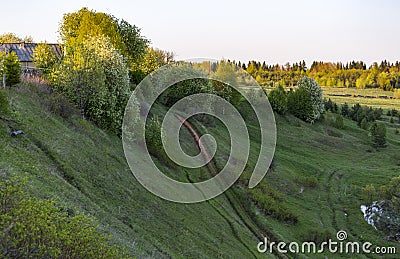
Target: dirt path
(257, 230)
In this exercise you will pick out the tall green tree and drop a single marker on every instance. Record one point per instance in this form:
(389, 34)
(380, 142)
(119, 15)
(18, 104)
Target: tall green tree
(11, 67)
(44, 58)
(225, 78)
(76, 27)
(96, 79)
(300, 105)
(315, 93)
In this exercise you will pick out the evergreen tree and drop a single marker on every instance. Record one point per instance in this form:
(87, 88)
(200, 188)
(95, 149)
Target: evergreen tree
(11, 67)
(378, 133)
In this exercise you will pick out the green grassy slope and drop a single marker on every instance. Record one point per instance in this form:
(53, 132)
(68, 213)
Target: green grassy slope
(84, 168)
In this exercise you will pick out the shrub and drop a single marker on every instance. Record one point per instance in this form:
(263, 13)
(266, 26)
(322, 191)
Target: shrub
(278, 100)
(94, 76)
(316, 235)
(36, 228)
(59, 105)
(378, 133)
(344, 110)
(339, 122)
(364, 124)
(270, 202)
(299, 104)
(369, 194)
(308, 181)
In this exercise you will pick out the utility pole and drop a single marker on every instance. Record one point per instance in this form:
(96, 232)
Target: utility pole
(4, 80)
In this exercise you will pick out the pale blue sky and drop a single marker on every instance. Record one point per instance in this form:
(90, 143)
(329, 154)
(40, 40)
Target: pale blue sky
(274, 31)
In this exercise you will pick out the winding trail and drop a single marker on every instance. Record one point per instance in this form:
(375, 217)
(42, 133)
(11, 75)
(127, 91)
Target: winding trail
(255, 228)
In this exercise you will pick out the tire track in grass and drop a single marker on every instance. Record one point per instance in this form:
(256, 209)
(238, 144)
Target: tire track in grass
(256, 229)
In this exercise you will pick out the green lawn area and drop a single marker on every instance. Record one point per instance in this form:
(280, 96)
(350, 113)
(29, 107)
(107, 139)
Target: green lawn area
(84, 168)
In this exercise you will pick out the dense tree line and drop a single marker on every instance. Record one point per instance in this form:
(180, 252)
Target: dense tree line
(305, 102)
(384, 75)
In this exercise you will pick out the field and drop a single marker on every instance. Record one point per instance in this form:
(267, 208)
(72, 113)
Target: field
(83, 168)
(370, 97)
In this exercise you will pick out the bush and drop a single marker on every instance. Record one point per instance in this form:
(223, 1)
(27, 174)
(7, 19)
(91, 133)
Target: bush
(278, 100)
(299, 104)
(316, 235)
(270, 202)
(36, 228)
(378, 133)
(334, 120)
(308, 181)
(94, 76)
(364, 124)
(59, 105)
(344, 110)
(339, 122)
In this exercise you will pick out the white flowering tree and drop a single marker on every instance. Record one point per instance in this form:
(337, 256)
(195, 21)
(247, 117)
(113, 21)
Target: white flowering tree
(94, 76)
(315, 92)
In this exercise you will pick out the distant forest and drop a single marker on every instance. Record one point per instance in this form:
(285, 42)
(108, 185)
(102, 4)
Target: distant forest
(385, 75)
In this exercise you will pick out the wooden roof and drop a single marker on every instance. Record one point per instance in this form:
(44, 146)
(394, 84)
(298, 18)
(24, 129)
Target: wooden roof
(25, 51)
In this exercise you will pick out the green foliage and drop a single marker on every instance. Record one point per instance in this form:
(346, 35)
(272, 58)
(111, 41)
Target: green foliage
(315, 93)
(334, 120)
(278, 100)
(12, 38)
(316, 235)
(153, 139)
(364, 124)
(299, 104)
(369, 194)
(271, 203)
(134, 45)
(308, 181)
(344, 110)
(44, 58)
(9, 65)
(36, 228)
(96, 79)
(152, 60)
(77, 27)
(225, 77)
(58, 104)
(378, 133)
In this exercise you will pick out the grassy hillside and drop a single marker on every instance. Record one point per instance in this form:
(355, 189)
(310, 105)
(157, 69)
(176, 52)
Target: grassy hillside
(84, 168)
(317, 176)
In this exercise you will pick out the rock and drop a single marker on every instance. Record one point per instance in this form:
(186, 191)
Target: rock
(16, 133)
